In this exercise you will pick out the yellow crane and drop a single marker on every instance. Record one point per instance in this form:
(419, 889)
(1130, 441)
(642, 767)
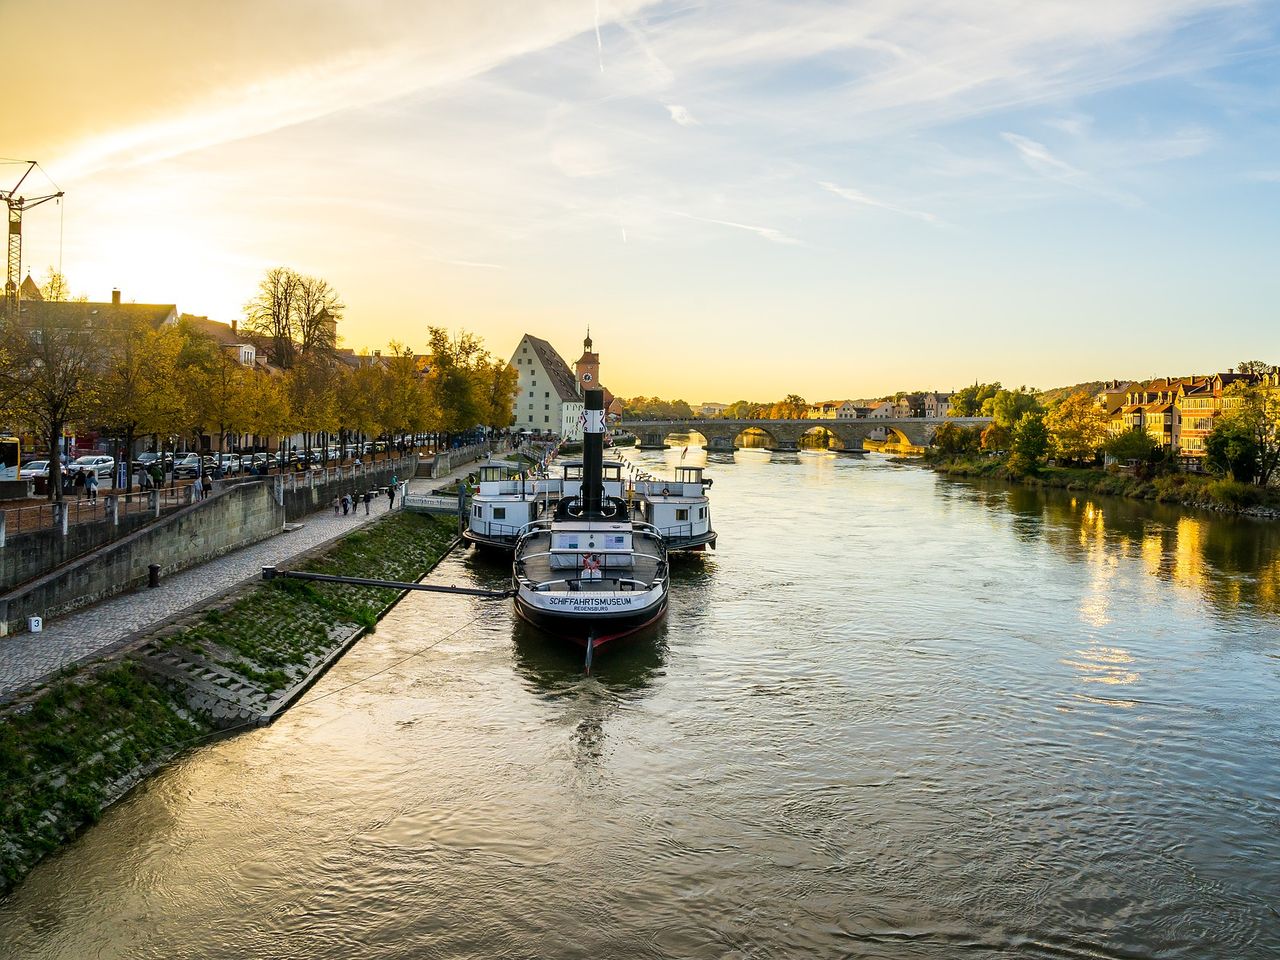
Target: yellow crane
(17, 205)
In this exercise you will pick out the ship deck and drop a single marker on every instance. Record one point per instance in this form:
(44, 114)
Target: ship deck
(646, 565)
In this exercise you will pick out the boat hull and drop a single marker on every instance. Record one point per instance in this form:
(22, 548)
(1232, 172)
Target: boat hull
(580, 621)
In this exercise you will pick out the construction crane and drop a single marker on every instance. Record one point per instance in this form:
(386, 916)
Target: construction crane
(17, 205)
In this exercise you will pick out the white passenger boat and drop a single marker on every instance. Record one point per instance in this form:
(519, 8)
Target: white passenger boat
(679, 508)
(504, 503)
(590, 571)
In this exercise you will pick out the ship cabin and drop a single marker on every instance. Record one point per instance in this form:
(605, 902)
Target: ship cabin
(611, 473)
(679, 508)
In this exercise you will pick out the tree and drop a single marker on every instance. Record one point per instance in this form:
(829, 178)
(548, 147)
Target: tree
(1007, 407)
(51, 377)
(952, 439)
(317, 308)
(55, 286)
(1077, 428)
(1255, 410)
(1231, 450)
(220, 397)
(996, 438)
(1029, 442)
(1254, 367)
(271, 314)
(498, 384)
(451, 381)
(310, 385)
(1134, 444)
(139, 390)
(968, 401)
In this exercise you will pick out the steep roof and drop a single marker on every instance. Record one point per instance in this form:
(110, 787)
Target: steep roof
(562, 378)
(87, 314)
(29, 291)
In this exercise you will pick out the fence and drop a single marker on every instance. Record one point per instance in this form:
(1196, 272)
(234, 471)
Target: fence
(110, 507)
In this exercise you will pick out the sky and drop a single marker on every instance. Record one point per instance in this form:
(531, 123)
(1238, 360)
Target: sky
(742, 199)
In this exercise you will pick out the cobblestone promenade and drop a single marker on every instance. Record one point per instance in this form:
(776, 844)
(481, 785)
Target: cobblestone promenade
(27, 657)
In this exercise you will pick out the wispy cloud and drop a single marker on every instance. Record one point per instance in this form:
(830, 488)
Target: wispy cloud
(857, 196)
(768, 233)
(1040, 159)
(681, 116)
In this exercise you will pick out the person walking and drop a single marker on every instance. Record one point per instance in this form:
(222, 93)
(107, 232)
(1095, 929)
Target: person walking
(91, 485)
(346, 504)
(207, 487)
(391, 494)
(197, 488)
(368, 499)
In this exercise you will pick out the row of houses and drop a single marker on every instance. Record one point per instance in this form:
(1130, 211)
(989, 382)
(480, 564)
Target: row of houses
(1178, 413)
(930, 406)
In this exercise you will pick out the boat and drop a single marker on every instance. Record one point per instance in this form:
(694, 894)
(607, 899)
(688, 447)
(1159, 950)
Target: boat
(591, 572)
(503, 504)
(679, 508)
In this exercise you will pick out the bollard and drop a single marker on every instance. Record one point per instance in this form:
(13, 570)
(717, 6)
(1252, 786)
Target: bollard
(153, 575)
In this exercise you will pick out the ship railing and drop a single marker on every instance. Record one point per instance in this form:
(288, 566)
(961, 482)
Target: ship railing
(488, 528)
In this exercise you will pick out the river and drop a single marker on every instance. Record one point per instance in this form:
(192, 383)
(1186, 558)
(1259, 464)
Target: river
(894, 716)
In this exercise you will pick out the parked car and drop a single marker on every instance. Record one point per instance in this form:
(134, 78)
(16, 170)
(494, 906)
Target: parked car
(34, 469)
(187, 466)
(103, 466)
(228, 463)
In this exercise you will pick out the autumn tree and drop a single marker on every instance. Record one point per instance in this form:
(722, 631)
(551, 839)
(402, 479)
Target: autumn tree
(220, 398)
(497, 382)
(52, 375)
(138, 384)
(55, 286)
(996, 438)
(271, 312)
(1077, 427)
(451, 380)
(1254, 368)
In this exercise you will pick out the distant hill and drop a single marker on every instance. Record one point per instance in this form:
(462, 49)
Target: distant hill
(1091, 387)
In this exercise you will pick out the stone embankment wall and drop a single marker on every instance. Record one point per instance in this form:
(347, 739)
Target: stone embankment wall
(234, 518)
(28, 555)
(71, 749)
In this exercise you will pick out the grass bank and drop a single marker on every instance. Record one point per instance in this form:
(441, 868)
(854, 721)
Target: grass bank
(73, 747)
(1185, 489)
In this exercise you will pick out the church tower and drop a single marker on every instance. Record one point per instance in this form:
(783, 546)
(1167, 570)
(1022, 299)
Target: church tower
(588, 366)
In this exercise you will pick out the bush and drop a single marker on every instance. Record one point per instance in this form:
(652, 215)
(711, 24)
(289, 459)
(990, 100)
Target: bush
(1232, 493)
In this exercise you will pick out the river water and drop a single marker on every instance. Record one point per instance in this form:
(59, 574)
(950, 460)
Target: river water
(893, 716)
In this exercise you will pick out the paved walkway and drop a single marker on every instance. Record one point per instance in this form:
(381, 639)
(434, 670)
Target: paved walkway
(28, 657)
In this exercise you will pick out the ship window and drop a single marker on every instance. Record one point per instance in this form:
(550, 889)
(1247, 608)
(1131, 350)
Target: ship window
(682, 514)
(499, 513)
(702, 513)
(479, 511)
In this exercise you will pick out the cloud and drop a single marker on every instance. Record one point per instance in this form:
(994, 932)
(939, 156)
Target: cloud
(768, 233)
(1042, 161)
(856, 196)
(681, 116)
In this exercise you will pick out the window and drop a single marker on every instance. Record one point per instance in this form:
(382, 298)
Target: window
(499, 513)
(479, 511)
(547, 394)
(530, 393)
(682, 514)
(546, 419)
(702, 513)
(546, 406)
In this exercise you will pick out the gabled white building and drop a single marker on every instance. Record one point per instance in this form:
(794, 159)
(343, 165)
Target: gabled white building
(547, 399)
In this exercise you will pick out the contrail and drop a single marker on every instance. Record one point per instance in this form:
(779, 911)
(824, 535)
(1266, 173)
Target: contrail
(599, 43)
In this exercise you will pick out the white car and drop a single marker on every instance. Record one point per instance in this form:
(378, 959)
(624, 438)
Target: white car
(103, 466)
(34, 470)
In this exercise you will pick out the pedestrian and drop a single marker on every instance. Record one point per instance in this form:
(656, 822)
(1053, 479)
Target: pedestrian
(346, 504)
(197, 488)
(207, 487)
(91, 485)
(79, 481)
(368, 499)
(157, 476)
(391, 495)
(335, 506)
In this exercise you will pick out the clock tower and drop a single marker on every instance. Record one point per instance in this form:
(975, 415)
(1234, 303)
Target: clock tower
(588, 366)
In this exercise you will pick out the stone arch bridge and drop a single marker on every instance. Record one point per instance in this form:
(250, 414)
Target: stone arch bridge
(786, 434)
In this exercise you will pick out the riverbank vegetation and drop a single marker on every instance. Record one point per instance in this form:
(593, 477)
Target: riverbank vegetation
(1067, 444)
(83, 740)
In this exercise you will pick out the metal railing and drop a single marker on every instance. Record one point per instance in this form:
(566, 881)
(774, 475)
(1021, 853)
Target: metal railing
(82, 509)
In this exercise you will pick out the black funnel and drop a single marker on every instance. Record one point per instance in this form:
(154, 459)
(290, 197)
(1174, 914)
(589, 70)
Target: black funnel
(593, 454)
